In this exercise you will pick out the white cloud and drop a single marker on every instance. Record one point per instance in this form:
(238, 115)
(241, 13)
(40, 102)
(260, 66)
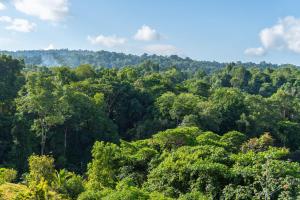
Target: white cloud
(2, 6)
(108, 41)
(161, 49)
(146, 33)
(21, 25)
(50, 47)
(50, 10)
(285, 35)
(5, 19)
(16, 24)
(255, 51)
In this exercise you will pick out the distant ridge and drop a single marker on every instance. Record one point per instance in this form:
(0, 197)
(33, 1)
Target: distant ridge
(73, 58)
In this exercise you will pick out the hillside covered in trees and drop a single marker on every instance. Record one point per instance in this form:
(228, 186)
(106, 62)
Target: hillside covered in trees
(152, 131)
(74, 58)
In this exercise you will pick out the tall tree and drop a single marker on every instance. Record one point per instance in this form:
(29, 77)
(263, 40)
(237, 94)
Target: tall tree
(11, 80)
(41, 97)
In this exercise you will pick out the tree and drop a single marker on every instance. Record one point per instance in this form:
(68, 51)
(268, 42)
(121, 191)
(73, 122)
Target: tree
(175, 108)
(256, 119)
(184, 104)
(199, 168)
(266, 174)
(233, 140)
(85, 122)
(84, 72)
(261, 143)
(125, 190)
(41, 168)
(230, 104)
(289, 134)
(198, 87)
(102, 170)
(41, 97)
(175, 138)
(288, 107)
(7, 175)
(68, 183)
(11, 80)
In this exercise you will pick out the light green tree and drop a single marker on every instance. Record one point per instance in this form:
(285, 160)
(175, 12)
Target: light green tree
(42, 98)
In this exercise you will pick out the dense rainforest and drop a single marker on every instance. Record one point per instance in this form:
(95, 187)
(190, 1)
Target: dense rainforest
(149, 131)
(74, 58)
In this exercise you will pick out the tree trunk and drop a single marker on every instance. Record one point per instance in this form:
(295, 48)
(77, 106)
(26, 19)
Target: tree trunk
(44, 137)
(65, 142)
(43, 143)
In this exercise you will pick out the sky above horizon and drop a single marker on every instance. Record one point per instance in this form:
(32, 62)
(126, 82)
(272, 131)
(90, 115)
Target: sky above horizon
(220, 30)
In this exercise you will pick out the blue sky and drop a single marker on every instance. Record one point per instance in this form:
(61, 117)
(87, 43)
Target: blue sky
(221, 30)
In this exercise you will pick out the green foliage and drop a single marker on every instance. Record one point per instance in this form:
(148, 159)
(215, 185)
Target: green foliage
(229, 103)
(90, 195)
(210, 167)
(126, 193)
(11, 80)
(258, 144)
(188, 168)
(289, 134)
(266, 176)
(10, 191)
(40, 191)
(198, 87)
(168, 128)
(41, 168)
(73, 58)
(101, 171)
(193, 196)
(41, 96)
(7, 175)
(209, 138)
(174, 138)
(159, 196)
(237, 192)
(74, 186)
(68, 184)
(84, 71)
(233, 140)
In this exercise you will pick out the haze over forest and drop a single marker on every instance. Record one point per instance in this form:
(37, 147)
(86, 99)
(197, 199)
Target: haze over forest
(74, 58)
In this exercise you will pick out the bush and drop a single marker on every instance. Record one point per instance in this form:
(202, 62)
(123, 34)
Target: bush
(7, 175)
(74, 186)
(195, 195)
(90, 195)
(177, 137)
(41, 168)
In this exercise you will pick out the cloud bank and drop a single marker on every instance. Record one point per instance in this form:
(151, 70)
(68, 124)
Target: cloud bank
(259, 51)
(49, 10)
(17, 24)
(145, 33)
(161, 49)
(2, 6)
(284, 35)
(108, 41)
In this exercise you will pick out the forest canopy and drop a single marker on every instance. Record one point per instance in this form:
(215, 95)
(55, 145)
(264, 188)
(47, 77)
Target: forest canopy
(74, 58)
(149, 131)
